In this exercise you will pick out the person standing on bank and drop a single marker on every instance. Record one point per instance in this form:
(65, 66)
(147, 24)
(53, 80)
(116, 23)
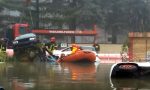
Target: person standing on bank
(97, 47)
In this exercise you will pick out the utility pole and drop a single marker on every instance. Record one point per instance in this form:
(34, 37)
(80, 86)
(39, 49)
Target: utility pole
(72, 24)
(37, 15)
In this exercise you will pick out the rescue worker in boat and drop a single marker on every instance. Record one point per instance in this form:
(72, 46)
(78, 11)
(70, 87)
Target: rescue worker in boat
(74, 49)
(3, 45)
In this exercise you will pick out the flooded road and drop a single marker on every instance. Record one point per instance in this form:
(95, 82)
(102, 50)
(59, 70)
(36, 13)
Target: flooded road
(64, 76)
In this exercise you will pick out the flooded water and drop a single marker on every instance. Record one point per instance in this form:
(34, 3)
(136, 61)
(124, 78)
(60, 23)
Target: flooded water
(64, 76)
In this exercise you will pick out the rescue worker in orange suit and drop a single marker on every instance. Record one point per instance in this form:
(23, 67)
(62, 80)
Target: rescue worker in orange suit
(75, 48)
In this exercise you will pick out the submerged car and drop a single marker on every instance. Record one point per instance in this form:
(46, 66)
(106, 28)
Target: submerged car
(25, 44)
(130, 70)
(25, 40)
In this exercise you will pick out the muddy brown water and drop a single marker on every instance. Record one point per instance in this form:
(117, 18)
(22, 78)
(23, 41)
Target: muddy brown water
(64, 76)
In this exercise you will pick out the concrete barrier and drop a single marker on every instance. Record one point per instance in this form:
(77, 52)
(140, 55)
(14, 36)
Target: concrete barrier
(110, 60)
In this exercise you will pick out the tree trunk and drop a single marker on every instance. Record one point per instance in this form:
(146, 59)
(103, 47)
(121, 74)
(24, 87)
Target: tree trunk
(37, 15)
(72, 26)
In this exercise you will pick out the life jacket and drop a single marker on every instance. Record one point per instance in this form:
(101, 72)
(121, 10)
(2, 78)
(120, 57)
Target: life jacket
(51, 46)
(74, 50)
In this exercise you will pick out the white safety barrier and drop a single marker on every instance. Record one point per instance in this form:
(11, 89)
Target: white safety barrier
(109, 56)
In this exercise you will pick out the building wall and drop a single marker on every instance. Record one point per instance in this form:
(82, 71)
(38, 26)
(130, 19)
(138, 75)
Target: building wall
(102, 37)
(139, 46)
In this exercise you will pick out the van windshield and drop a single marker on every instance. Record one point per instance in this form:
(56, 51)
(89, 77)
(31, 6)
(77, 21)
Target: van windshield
(23, 30)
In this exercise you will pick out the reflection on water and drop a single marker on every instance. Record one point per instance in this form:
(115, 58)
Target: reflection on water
(77, 72)
(131, 84)
(64, 76)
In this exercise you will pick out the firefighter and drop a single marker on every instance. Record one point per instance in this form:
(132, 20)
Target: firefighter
(52, 45)
(42, 53)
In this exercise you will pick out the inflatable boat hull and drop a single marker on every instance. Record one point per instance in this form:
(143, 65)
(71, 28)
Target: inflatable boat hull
(79, 56)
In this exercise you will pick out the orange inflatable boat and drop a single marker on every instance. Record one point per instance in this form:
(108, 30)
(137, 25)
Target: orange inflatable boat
(79, 56)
